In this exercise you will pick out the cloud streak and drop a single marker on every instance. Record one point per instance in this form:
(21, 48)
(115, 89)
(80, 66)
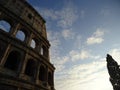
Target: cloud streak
(75, 55)
(68, 34)
(68, 15)
(96, 38)
(64, 17)
(78, 69)
(85, 76)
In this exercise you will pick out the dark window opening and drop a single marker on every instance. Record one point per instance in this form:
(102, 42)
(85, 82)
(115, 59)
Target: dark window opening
(30, 68)
(30, 16)
(2, 49)
(42, 73)
(50, 79)
(13, 61)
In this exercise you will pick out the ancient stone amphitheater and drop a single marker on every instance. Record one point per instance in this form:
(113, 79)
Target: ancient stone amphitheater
(24, 48)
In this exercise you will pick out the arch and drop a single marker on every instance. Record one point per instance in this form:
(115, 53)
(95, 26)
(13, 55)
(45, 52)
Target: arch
(50, 79)
(30, 68)
(44, 51)
(5, 26)
(42, 73)
(13, 60)
(20, 35)
(33, 43)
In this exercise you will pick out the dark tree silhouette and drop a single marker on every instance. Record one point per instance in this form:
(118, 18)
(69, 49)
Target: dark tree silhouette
(114, 72)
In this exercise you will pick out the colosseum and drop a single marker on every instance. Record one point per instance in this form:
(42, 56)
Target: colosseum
(24, 48)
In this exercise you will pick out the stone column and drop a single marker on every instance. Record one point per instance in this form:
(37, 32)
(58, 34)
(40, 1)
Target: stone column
(46, 76)
(53, 79)
(37, 75)
(28, 39)
(38, 46)
(14, 29)
(21, 75)
(5, 55)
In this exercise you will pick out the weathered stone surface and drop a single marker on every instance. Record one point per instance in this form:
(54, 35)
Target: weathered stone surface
(24, 48)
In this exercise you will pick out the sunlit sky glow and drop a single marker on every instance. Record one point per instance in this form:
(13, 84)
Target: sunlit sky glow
(81, 33)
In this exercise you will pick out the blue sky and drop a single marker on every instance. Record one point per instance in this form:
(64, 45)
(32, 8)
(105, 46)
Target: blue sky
(81, 33)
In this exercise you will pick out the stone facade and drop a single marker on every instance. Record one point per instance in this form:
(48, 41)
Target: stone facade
(24, 48)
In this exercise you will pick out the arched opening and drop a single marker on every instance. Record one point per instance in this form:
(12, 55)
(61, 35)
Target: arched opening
(44, 51)
(30, 68)
(20, 35)
(33, 43)
(50, 79)
(5, 26)
(13, 61)
(42, 73)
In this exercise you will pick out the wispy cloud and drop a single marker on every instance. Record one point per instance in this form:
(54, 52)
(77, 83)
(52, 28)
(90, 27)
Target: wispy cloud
(64, 17)
(78, 76)
(81, 55)
(93, 75)
(96, 38)
(68, 34)
(78, 41)
(60, 63)
(56, 59)
(68, 15)
(75, 55)
(48, 14)
(54, 38)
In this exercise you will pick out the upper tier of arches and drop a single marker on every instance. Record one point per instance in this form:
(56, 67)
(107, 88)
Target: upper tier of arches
(25, 36)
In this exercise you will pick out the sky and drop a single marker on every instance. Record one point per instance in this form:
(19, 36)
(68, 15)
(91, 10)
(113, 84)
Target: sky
(81, 33)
